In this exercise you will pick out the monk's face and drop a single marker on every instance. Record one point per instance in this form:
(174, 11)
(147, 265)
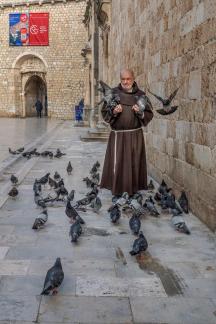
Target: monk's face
(127, 80)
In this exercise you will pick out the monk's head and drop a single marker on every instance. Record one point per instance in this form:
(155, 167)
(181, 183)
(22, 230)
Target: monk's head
(127, 79)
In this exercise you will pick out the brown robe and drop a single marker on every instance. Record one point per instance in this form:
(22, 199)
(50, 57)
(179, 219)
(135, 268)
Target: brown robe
(124, 167)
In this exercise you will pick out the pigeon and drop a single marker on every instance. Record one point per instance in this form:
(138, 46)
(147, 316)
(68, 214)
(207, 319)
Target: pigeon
(45, 153)
(111, 98)
(139, 245)
(20, 150)
(179, 224)
(71, 195)
(163, 187)
(59, 153)
(69, 168)
(54, 278)
(97, 164)
(39, 200)
(13, 192)
(51, 155)
(57, 176)
(96, 204)
(157, 196)
(93, 193)
(40, 220)
(89, 182)
(44, 179)
(83, 202)
(60, 183)
(135, 224)
(71, 213)
(167, 108)
(142, 102)
(96, 177)
(11, 151)
(37, 186)
(61, 192)
(14, 180)
(75, 231)
(52, 183)
(138, 196)
(150, 206)
(93, 169)
(115, 214)
(151, 186)
(183, 202)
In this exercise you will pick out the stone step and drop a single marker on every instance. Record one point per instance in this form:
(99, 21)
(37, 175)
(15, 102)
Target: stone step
(98, 133)
(94, 138)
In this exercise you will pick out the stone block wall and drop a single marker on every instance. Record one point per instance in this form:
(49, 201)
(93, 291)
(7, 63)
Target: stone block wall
(169, 44)
(64, 73)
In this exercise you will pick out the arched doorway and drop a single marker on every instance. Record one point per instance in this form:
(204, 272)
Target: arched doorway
(35, 88)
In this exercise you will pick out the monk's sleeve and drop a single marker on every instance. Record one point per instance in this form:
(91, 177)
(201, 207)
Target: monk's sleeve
(148, 113)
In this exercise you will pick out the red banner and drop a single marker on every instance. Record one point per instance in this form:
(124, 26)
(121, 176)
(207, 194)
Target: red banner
(39, 29)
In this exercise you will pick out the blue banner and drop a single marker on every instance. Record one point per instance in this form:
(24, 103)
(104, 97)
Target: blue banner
(18, 29)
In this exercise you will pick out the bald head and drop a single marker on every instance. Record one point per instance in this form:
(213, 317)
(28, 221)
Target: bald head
(127, 79)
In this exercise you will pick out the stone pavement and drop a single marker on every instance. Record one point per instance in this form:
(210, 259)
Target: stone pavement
(173, 282)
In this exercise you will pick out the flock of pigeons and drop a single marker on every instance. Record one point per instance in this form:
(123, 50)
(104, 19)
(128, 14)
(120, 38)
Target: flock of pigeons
(163, 197)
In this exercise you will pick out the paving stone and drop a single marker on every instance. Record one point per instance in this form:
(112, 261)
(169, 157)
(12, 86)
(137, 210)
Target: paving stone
(19, 308)
(172, 310)
(21, 285)
(14, 267)
(119, 287)
(62, 309)
(3, 251)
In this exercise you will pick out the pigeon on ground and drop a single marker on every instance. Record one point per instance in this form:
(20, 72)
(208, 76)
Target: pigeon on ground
(135, 224)
(179, 224)
(115, 214)
(75, 231)
(11, 151)
(157, 196)
(72, 214)
(54, 278)
(138, 196)
(167, 108)
(13, 192)
(151, 186)
(163, 187)
(82, 202)
(139, 245)
(37, 186)
(40, 220)
(20, 150)
(183, 202)
(57, 176)
(150, 206)
(71, 195)
(14, 180)
(69, 168)
(96, 204)
(52, 183)
(39, 200)
(59, 153)
(44, 179)
(97, 164)
(96, 177)
(93, 193)
(93, 169)
(61, 193)
(89, 182)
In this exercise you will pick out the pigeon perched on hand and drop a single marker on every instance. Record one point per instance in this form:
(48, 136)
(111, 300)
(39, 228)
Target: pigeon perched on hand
(183, 202)
(167, 108)
(40, 220)
(54, 278)
(14, 180)
(13, 192)
(69, 168)
(75, 231)
(139, 245)
(135, 224)
(111, 98)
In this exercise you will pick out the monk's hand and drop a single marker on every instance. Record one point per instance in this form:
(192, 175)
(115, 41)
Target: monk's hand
(137, 111)
(118, 109)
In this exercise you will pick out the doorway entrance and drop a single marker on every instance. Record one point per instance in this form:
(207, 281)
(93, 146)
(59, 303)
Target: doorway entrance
(35, 88)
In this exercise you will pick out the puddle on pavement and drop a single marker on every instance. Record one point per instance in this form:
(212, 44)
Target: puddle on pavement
(171, 282)
(88, 231)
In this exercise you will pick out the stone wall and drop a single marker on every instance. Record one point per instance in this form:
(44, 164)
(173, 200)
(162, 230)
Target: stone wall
(172, 43)
(62, 67)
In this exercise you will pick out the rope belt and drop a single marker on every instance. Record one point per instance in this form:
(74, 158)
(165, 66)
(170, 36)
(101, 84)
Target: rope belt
(115, 145)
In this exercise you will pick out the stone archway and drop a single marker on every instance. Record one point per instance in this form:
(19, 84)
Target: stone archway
(35, 88)
(29, 83)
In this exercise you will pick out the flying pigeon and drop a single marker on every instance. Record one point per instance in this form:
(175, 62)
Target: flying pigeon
(167, 108)
(54, 278)
(40, 220)
(139, 245)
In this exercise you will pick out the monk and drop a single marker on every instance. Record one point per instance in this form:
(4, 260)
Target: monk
(125, 167)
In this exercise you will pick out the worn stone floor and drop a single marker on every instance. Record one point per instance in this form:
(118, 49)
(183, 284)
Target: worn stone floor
(173, 282)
